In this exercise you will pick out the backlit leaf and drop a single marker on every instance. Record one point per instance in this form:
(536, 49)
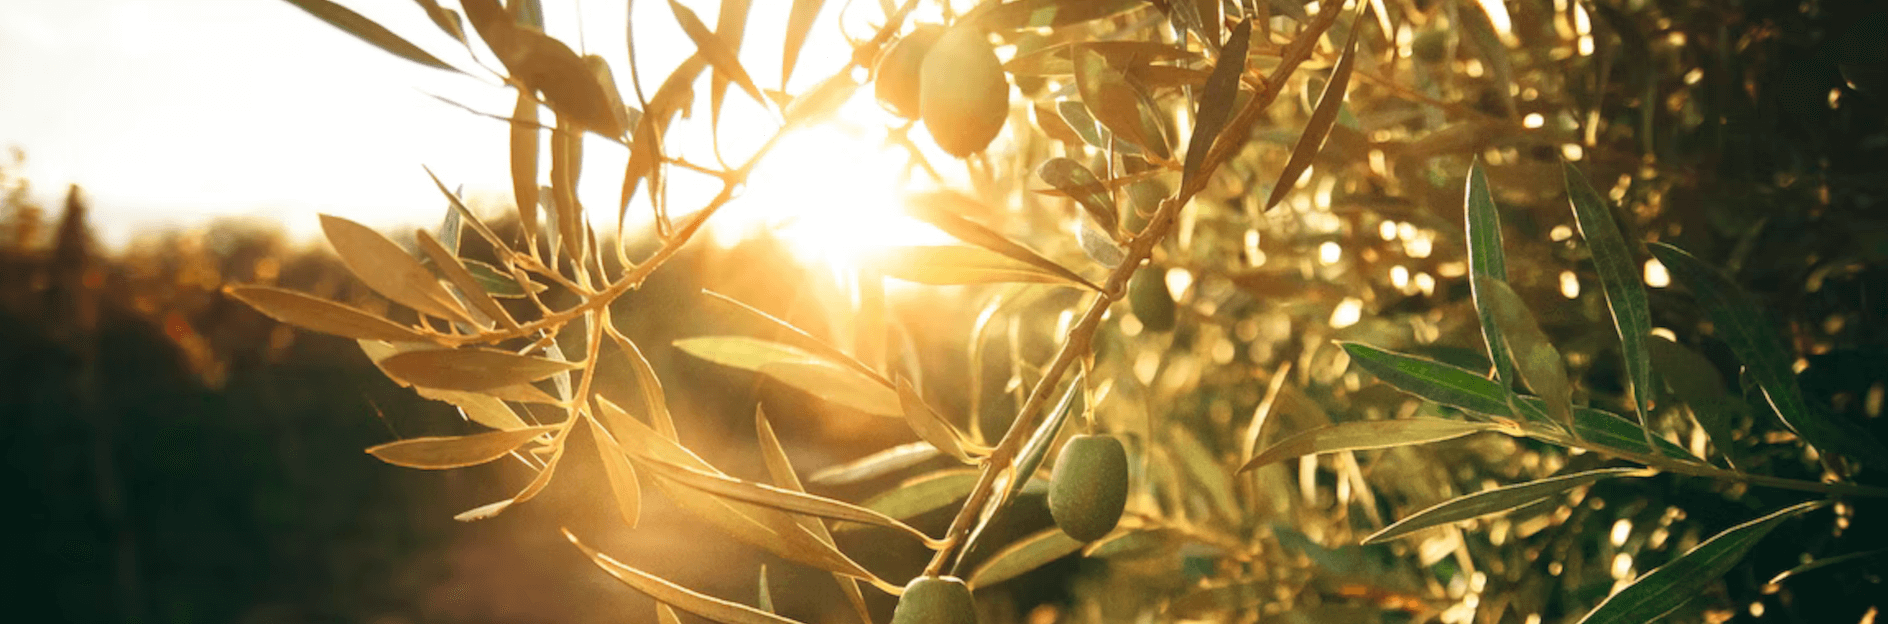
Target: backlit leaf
(876, 464)
(1079, 183)
(838, 384)
(799, 23)
(1322, 117)
(929, 425)
(368, 30)
(952, 265)
(471, 370)
(1625, 294)
(1493, 501)
(438, 453)
(1741, 323)
(718, 51)
(924, 493)
(531, 489)
(447, 20)
(1216, 98)
(731, 29)
(1665, 589)
(544, 64)
(1365, 435)
(1076, 117)
(1022, 14)
(1432, 380)
(677, 596)
(800, 338)
(321, 315)
(1026, 554)
(468, 285)
(620, 473)
(778, 498)
(945, 211)
(1535, 357)
(387, 269)
(781, 470)
(524, 163)
(1114, 102)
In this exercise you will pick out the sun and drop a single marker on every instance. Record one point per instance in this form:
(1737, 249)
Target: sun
(834, 192)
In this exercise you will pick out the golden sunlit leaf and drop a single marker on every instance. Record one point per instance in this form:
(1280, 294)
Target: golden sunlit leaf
(783, 475)
(925, 493)
(1365, 435)
(1216, 99)
(1322, 117)
(654, 398)
(1023, 14)
(730, 28)
(683, 598)
(387, 269)
(1026, 554)
(838, 384)
(473, 220)
(929, 425)
(952, 265)
(665, 614)
(468, 285)
(620, 473)
(779, 498)
(1078, 182)
(531, 489)
(321, 315)
(438, 453)
(718, 51)
(945, 211)
(471, 370)
(370, 31)
(800, 337)
(524, 163)
(646, 151)
(821, 101)
(1055, 60)
(799, 23)
(1115, 103)
(876, 464)
(546, 65)
(446, 19)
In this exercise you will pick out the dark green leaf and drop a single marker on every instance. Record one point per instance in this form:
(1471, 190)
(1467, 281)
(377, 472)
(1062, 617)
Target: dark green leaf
(1535, 357)
(1493, 501)
(1486, 257)
(1665, 589)
(1432, 380)
(1364, 435)
(1625, 294)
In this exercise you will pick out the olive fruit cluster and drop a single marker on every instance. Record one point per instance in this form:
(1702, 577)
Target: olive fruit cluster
(935, 600)
(952, 80)
(1090, 487)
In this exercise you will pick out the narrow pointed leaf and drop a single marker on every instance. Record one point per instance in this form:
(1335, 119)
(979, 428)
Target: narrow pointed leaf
(370, 31)
(531, 490)
(1026, 554)
(942, 210)
(321, 315)
(781, 470)
(876, 464)
(1494, 501)
(439, 453)
(620, 473)
(1486, 258)
(1216, 99)
(655, 399)
(478, 225)
(1322, 117)
(471, 370)
(1365, 435)
(1432, 380)
(1625, 294)
(1111, 100)
(1079, 183)
(778, 498)
(1076, 117)
(1742, 324)
(387, 269)
(717, 51)
(524, 163)
(799, 23)
(1697, 382)
(731, 29)
(677, 596)
(837, 384)
(1535, 357)
(928, 424)
(952, 265)
(1022, 14)
(924, 493)
(800, 337)
(468, 285)
(1667, 588)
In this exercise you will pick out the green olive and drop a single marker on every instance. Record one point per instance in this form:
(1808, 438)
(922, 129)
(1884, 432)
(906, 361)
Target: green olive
(962, 95)
(1149, 298)
(1090, 487)
(936, 600)
(895, 78)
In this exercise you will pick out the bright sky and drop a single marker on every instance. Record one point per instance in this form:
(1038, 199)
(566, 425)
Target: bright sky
(171, 112)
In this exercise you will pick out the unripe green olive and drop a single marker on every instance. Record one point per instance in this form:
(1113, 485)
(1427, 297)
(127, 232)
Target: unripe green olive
(895, 78)
(962, 95)
(1149, 298)
(1090, 487)
(935, 600)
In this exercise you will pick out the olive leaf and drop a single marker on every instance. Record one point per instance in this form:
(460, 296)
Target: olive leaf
(781, 470)
(730, 28)
(469, 286)
(944, 211)
(876, 464)
(928, 424)
(439, 453)
(1486, 258)
(717, 50)
(1741, 323)
(1116, 103)
(1535, 357)
(544, 64)
(1216, 99)
(471, 370)
(1024, 14)
(466, 215)
(1026, 554)
(1365, 435)
(952, 265)
(1076, 117)
(1323, 116)
(646, 151)
(1625, 294)
(387, 269)
(1079, 183)
(1668, 587)
(653, 396)
(1432, 380)
(321, 315)
(670, 594)
(620, 473)
(370, 31)
(924, 493)
(1494, 501)
(779, 498)
(531, 489)
(1697, 382)
(800, 337)
(837, 384)
(446, 19)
